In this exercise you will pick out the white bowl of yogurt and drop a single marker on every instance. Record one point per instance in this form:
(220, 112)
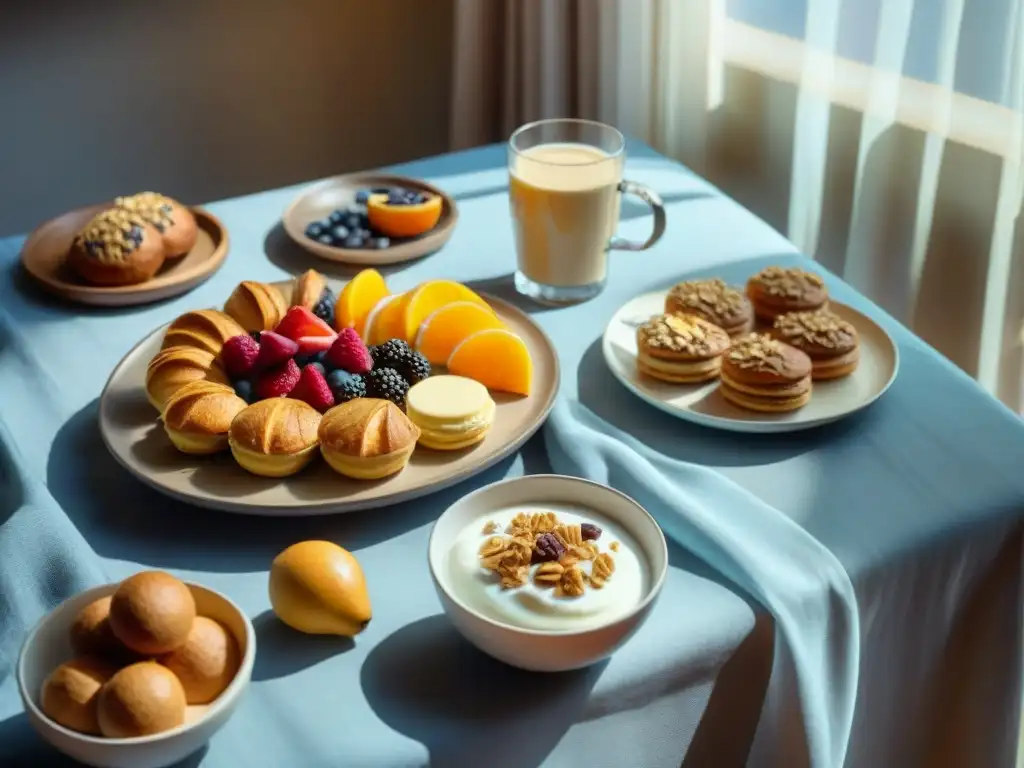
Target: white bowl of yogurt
(547, 572)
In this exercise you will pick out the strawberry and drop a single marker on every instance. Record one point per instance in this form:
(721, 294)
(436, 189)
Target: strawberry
(299, 322)
(349, 353)
(312, 389)
(274, 350)
(277, 382)
(239, 355)
(309, 345)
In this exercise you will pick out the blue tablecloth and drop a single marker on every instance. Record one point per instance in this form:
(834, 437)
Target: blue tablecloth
(919, 499)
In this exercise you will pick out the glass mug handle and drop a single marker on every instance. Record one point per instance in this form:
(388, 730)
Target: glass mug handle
(652, 199)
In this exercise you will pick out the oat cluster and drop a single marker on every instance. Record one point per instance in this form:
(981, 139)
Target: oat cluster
(152, 206)
(790, 283)
(112, 235)
(822, 328)
(682, 333)
(710, 297)
(758, 352)
(556, 549)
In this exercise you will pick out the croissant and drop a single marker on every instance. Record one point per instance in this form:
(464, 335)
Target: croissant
(197, 417)
(367, 439)
(308, 288)
(256, 306)
(203, 328)
(275, 437)
(174, 367)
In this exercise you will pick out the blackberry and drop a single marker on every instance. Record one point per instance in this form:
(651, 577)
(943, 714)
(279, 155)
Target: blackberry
(387, 384)
(345, 386)
(397, 354)
(324, 308)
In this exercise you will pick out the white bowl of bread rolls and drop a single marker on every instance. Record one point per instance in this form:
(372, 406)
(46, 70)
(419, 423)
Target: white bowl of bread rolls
(138, 674)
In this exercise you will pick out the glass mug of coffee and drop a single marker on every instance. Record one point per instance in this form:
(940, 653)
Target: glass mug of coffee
(565, 189)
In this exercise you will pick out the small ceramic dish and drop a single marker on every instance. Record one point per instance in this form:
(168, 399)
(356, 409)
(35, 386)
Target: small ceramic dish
(546, 650)
(317, 202)
(44, 257)
(48, 646)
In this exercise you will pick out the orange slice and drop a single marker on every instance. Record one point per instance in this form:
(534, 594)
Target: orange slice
(385, 320)
(497, 358)
(442, 331)
(358, 298)
(429, 297)
(403, 220)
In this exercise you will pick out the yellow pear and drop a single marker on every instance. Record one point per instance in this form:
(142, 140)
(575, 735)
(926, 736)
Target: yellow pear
(318, 588)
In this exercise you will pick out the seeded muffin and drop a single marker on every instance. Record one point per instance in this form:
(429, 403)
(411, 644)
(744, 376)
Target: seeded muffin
(760, 373)
(776, 290)
(830, 342)
(714, 301)
(117, 247)
(681, 349)
(176, 224)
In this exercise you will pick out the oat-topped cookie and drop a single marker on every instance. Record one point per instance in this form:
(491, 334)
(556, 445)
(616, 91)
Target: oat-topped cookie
(777, 290)
(712, 300)
(816, 333)
(681, 337)
(758, 354)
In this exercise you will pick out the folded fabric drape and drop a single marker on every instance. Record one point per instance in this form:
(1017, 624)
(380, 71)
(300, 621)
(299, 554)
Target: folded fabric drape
(801, 582)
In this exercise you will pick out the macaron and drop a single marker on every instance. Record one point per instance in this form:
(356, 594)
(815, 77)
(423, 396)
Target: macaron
(714, 301)
(831, 342)
(452, 412)
(760, 373)
(680, 349)
(775, 291)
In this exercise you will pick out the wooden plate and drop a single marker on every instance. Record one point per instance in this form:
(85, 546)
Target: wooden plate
(704, 404)
(45, 251)
(131, 431)
(340, 191)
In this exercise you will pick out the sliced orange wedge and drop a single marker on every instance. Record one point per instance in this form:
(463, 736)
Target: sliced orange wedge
(358, 298)
(403, 220)
(497, 358)
(442, 331)
(429, 297)
(385, 320)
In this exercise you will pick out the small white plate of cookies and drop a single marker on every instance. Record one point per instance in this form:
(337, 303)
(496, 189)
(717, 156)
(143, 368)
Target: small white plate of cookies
(775, 355)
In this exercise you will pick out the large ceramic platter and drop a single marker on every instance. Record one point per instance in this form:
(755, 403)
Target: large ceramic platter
(44, 256)
(318, 201)
(703, 403)
(132, 432)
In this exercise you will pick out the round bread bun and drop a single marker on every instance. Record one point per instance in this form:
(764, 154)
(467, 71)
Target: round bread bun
(152, 613)
(117, 247)
(176, 224)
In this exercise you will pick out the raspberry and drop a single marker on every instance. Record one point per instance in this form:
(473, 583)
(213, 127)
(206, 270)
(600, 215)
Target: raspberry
(312, 389)
(277, 382)
(239, 355)
(387, 384)
(590, 532)
(346, 386)
(546, 548)
(349, 353)
(299, 322)
(274, 350)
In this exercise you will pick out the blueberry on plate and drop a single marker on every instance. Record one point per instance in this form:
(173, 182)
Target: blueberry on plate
(353, 220)
(362, 196)
(335, 217)
(352, 241)
(379, 243)
(396, 197)
(325, 239)
(314, 230)
(339, 232)
(416, 198)
(325, 224)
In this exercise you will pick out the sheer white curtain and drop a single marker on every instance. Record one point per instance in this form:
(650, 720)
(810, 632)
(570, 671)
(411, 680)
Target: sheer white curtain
(884, 137)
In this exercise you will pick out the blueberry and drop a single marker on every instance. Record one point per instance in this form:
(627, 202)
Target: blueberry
(339, 232)
(335, 217)
(325, 239)
(353, 241)
(321, 358)
(243, 389)
(396, 198)
(416, 198)
(314, 230)
(353, 220)
(325, 224)
(362, 196)
(379, 243)
(362, 233)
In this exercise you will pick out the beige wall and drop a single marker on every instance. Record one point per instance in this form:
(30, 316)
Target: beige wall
(204, 99)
